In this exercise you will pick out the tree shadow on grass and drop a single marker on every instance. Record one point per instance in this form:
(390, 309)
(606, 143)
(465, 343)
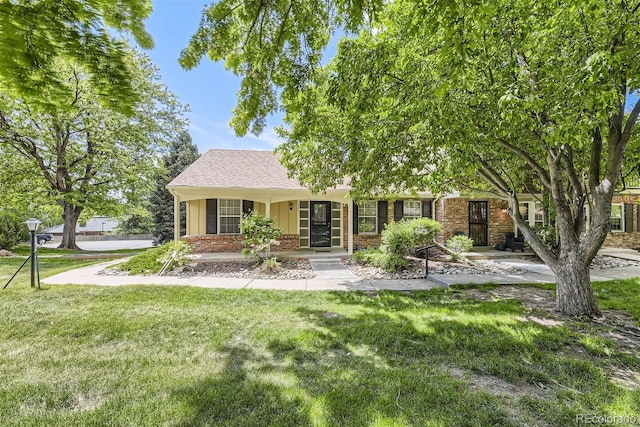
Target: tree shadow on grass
(236, 397)
(387, 359)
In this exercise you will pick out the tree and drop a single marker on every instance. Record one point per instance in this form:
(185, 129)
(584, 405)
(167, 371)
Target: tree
(88, 154)
(35, 36)
(182, 153)
(510, 97)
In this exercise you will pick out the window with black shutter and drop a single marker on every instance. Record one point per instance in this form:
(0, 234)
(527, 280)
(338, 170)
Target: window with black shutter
(628, 217)
(212, 216)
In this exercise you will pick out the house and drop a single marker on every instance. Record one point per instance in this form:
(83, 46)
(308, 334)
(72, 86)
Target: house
(222, 185)
(95, 226)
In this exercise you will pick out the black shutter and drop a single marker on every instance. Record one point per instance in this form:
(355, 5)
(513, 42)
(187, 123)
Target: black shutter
(355, 217)
(426, 208)
(247, 206)
(383, 215)
(628, 217)
(397, 210)
(212, 216)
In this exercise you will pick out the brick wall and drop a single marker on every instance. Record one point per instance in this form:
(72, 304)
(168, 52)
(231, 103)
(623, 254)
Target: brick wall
(499, 221)
(233, 243)
(454, 217)
(362, 241)
(288, 242)
(628, 238)
(453, 214)
(214, 243)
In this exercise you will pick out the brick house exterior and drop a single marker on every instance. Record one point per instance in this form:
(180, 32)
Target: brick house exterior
(222, 185)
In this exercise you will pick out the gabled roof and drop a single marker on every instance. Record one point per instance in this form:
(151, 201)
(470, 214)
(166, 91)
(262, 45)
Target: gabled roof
(238, 169)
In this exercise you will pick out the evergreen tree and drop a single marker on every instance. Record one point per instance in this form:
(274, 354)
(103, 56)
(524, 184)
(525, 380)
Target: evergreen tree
(181, 154)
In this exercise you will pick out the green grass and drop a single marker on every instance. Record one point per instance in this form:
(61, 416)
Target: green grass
(149, 356)
(623, 294)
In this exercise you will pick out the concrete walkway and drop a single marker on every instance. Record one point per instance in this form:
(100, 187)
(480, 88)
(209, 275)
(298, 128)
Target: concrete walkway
(327, 278)
(331, 268)
(89, 276)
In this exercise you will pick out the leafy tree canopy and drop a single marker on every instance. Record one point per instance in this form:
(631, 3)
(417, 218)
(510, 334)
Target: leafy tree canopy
(87, 154)
(35, 36)
(510, 97)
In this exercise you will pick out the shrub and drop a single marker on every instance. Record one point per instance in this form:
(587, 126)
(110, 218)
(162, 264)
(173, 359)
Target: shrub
(152, 260)
(547, 233)
(259, 234)
(459, 244)
(381, 258)
(271, 265)
(12, 230)
(403, 236)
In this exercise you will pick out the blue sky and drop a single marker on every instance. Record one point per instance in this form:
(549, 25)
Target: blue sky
(209, 90)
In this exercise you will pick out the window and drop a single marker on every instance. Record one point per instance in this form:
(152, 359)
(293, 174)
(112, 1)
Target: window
(367, 211)
(538, 214)
(532, 213)
(411, 209)
(617, 224)
(230, 212)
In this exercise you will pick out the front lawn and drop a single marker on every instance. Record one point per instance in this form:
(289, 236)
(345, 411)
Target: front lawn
(148, 356)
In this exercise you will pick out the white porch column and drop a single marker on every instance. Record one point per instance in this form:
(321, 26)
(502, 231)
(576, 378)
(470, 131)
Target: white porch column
(267, 208)
(176, 217)
(350, 227)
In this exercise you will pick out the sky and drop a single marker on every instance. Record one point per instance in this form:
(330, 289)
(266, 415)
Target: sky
(209, 90)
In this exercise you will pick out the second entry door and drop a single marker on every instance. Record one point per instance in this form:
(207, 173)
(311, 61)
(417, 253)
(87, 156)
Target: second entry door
(479, 223)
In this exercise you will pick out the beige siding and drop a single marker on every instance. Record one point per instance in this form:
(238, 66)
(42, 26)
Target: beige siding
(196, 217)
(287, 219)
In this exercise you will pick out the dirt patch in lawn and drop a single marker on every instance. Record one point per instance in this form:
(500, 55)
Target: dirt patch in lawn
(616, 326)
(500, 387)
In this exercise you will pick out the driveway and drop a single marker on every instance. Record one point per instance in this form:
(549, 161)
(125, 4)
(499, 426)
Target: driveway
(107, 245)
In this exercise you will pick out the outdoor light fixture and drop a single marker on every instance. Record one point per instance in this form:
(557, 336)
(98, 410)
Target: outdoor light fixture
(32, 225)
(290, 206)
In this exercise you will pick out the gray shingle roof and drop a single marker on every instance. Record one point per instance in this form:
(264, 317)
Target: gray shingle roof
(237, 169)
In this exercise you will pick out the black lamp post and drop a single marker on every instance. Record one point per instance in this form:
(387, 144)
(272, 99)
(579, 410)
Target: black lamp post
(32, 225)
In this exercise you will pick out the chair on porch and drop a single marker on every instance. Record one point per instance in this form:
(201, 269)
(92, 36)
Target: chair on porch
(512, 242)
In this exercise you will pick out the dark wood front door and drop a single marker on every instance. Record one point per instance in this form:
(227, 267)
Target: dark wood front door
(479, 223)
(320, 224)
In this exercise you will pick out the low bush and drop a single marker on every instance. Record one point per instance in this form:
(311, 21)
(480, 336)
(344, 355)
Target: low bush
(12, 230)
(403, 236)
(152, 260)
(271, 265)
(382, 259)
(459, 244)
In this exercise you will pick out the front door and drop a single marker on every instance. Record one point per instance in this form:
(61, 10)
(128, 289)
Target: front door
(478, 223)
(320, 226)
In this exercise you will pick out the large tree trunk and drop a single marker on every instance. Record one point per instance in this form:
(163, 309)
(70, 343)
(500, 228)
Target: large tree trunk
(70, 214)
(574, 295)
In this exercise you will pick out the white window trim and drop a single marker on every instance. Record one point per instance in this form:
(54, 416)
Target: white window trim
(621, 217)
(227, 216)
(375, 217)
(419, 208)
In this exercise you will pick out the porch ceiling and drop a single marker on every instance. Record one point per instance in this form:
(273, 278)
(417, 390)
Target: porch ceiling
(185, 193)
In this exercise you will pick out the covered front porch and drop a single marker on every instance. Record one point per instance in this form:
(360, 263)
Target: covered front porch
(310, 223)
